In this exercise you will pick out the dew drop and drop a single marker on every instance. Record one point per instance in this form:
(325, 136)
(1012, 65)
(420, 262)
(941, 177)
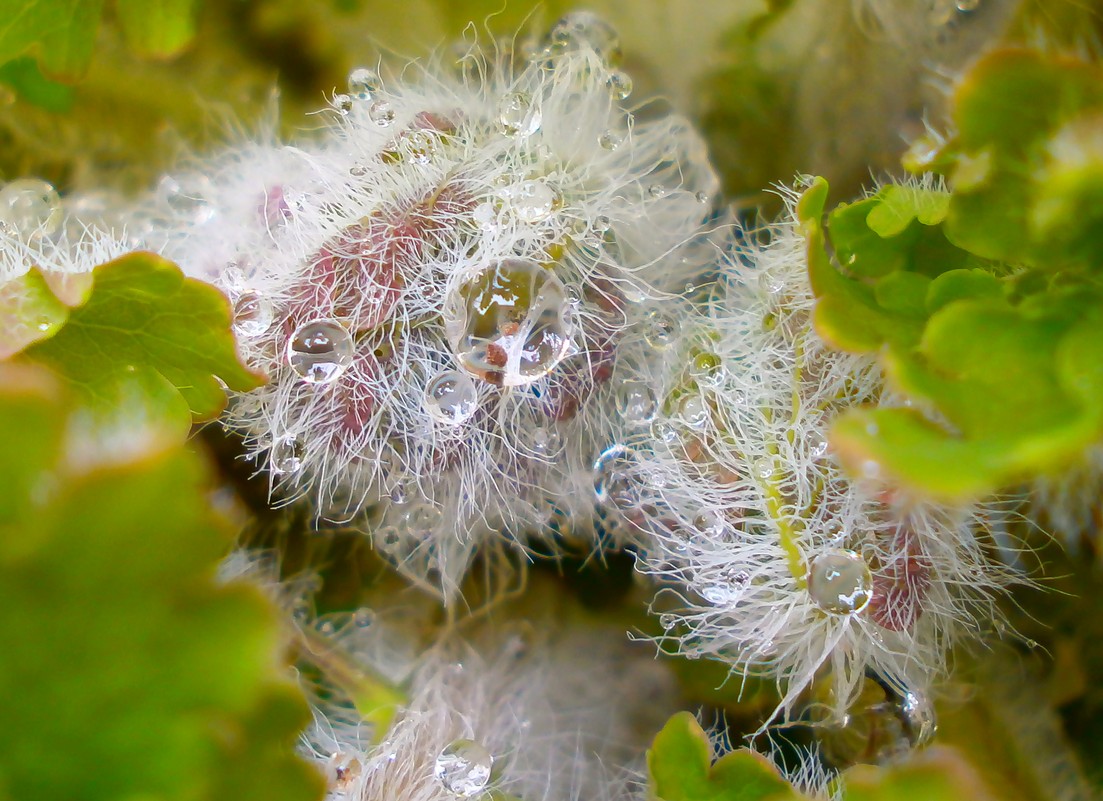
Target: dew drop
(451, 397)
(656, 190)
(381, 113)
(533, 201)
(320, 351)
(764, 467)
(518, 116)
(463, 768)
(662, 431)
(286, 456)
(342, 103)
(620, 84)
(586, 30)
(510, 324)
(252, 314)
(840, 582)
(668, 621)
(703, 198)
(612, 476)
(694, 411)
(659, 332)
(602, 224)
(422, 519)
(363, 618)
(610, 140)
(546, 441)
(711, 523)
(918, 715)
(363, 83)
(817, 445)
(190, 203)
(30, 208)
(637, 403)
(707, 370)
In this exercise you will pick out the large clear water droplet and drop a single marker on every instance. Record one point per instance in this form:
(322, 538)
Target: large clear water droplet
(659, 330)
(613, 484)
(451, 397)
(707, 369)
(252, 314)
(320, 351)
(609, 140)
(533, 201)
(286, 456)
(381, 113)
(637, 403)
(463, 768)
(363, 83)
(511, 323)
(620, 84)
(918, 715)
(29, 209)
(694, 411)
(518, 116)
(840, 582)
(191, 202)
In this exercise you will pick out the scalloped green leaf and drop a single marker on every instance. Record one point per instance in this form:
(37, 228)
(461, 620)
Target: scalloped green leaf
(681, 768)
(129, 670)
(146, 327)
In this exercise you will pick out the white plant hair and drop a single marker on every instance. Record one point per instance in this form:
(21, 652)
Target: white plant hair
(736, 494)
(417, 186)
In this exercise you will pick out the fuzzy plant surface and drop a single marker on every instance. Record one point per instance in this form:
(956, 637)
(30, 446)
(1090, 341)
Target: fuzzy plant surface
(473, 443)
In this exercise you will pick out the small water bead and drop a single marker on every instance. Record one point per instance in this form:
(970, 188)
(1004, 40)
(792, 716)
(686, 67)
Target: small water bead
(918, 715)
(363, 618)
(659, 331)
(620, 84)
(763, 468)
(840, 582)
(610, 140)
(546, 440)
(602, 224)
(518, 116)
(663, 431)
(189, 202)
(637, 403)
(342, 103)
(694, 411)
(511, 323)
(363, 83)
(668, 621)
(612, 476)
(286, 456)
(707, 369)
(29, 208)
(656, 190)
(252, 314)
(320, 351)
(533, 201)
(817, 445)
(381, 113)
(711, 523)
(451, 397)
(586, 30)
(703, 198)
(422, 519)
(463, 768)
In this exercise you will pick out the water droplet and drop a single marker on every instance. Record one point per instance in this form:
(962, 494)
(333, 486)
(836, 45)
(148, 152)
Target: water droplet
(451, 397)
(602, 224)
(463, 768)
(840, 582)
(764, 467)
(363, 618)
(320, 351)
(286, 456)
(190, 203)
(363, 83)
(817, 445)
(342, 102)
(707, 370)
(252, 314)
(620, 84)
(358, 171)
(703, 198)
(637, 403)
(517, 115)
(586, 30)
(719, 594)
(918, 716)
(694, 411)
(668, 621)
(546, 440)
(29, 208)
(511, 323)
(660, 330)
(422, 519)
(381, 113)
(662, 431)
(711, 523)
(533, 201)
(612, 476)
(656, 190)
(610, 140)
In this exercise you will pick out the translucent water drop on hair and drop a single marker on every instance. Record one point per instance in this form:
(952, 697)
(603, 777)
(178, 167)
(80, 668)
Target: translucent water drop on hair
(584, 30)
(363, 83)
(29, 209)
(320, 351)
(509, 323)
(613, 470)
(659, 331)
(252, 314)
(620, 84)
(533, 201)
(463, 768)
(286, 456)
(342, 103)
(451, 397)
(610, 140)
(637, 403)
(518, 116)
(840, 582)
(381, 113)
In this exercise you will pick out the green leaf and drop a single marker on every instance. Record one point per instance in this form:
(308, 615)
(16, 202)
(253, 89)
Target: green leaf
(23, 75)
(61, 33)
(937, 774)
(680, 766)
(29, 312)
(129, 671)
(146, 328)
(160, 28)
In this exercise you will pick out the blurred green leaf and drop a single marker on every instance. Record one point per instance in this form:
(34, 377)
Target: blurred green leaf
(129, 671)
(29, 312)
(157, 28)
(23, 75)
(681, 769)
(146, 328)
(61, 33)
(937, 774)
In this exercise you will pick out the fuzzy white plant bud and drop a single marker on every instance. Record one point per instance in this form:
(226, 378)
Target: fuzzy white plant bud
(787, 567)
(437, 282)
